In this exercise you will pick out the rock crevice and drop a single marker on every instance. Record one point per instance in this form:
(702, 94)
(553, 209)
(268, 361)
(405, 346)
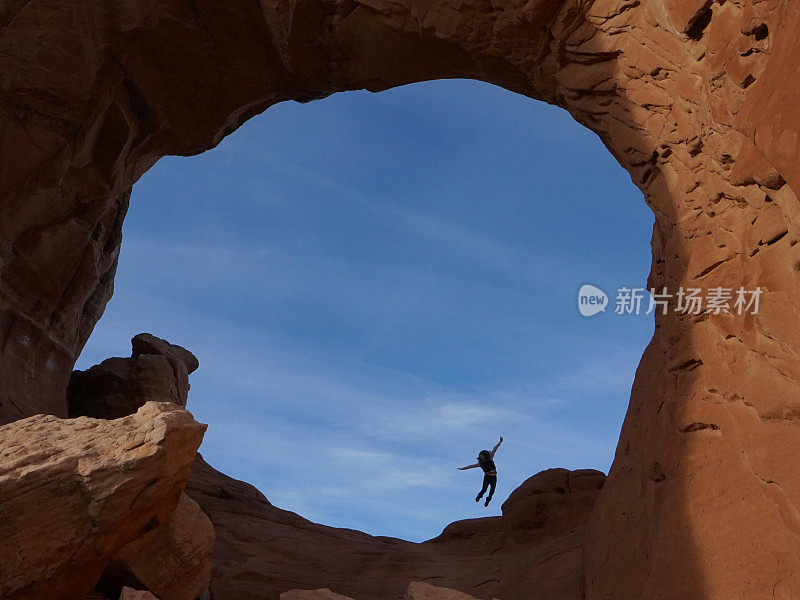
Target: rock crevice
(696, 99)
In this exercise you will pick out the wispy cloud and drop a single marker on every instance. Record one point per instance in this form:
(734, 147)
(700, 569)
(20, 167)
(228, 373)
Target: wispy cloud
(362, 331)
(348, 435)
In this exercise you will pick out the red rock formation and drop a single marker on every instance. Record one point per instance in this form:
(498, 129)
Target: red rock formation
(157, 371)
(533, 551)
(173, 560)
(131, 594)
(146, 343)
(695, 98)
(73, 493)
(321, 594)
(417, 590)
(552, 502)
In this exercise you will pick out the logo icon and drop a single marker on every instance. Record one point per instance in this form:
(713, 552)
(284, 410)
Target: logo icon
(591, 300)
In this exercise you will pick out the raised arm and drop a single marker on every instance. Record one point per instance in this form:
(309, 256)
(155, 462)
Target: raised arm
(468, 467)
(497, 445)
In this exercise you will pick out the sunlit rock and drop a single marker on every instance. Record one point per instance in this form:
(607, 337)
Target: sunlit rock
(74, 492)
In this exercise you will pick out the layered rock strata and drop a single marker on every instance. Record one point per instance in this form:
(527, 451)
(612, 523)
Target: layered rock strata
(695, 98)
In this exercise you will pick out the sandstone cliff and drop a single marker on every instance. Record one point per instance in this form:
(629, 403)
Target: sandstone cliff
(531, 552)
(74, 493)
(697, 99)
(416, 591)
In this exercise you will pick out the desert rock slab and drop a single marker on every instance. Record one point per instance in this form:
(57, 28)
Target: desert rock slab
(74, 492)
(131, 594)
(321, 594)
(156, 371)
(262, 551)
(419, 590)
(173, 560)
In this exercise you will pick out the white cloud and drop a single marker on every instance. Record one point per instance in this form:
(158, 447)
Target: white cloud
(351, 425)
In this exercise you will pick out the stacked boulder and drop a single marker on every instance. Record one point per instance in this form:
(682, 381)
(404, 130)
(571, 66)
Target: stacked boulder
(111, 518)
(156, 371)
(417, 590)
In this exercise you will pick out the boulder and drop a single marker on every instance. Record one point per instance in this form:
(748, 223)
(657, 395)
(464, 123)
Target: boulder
(131, 594)
(146, 343)
(263, 551)
(321, 594)
(419, 590)
(552, 501)
(74, 492)
(173, 560)
(156, 371)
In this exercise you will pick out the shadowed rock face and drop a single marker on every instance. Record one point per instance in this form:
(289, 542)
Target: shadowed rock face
(157, 371)
(321, 594)
(131, 594)
(532, 552)
(172, 560)
(695, 98)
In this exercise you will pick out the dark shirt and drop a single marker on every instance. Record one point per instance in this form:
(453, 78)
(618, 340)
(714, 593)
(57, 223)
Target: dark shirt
(487, 465)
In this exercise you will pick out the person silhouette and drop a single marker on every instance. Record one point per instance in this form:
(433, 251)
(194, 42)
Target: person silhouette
(486, 462)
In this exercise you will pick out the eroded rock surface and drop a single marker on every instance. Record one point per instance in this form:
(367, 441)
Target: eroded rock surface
(418, 590)
(132, 594)
(696, 99)
(74, 492)
(532, 552)
(173, 561)
(321, 594)
(157, 371)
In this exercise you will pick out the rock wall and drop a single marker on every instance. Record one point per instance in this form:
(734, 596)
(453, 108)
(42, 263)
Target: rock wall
(417, 590)
(532, 552)
(172, 560)
(695, 98)
(157, 371)
(74, 493)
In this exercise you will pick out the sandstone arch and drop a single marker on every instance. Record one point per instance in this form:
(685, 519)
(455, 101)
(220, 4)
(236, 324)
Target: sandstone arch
(695, 98)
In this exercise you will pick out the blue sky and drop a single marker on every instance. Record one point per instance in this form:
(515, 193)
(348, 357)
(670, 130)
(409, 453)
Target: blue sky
(378, 286)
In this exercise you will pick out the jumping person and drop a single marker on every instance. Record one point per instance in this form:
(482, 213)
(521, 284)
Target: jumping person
(486, 462)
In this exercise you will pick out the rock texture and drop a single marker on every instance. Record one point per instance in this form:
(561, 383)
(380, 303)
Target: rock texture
(73, 493)
(532, 552)
(157, 371)
(173, 560)
(131, 594)
(147, 343)
(322, 594)
(697, 99)
(418, 590)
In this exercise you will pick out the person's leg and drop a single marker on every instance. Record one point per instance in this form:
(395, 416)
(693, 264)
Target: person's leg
(492, 484)
(483, 489)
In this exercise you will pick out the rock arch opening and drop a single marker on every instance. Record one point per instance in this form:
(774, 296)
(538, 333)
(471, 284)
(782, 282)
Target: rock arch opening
(376, 282)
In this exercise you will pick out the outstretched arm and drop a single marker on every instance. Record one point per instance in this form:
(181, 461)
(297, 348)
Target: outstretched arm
(468, 467)
(497, 446)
